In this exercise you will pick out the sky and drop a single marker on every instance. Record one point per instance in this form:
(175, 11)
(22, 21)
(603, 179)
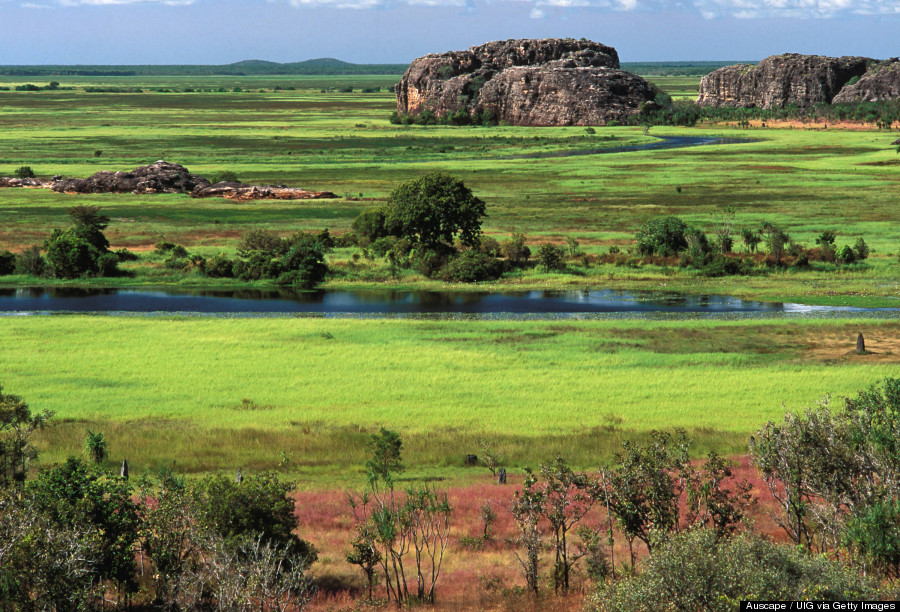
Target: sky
(397, 31)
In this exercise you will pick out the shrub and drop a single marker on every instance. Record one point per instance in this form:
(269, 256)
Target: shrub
(381, 246)
(24, 172)
(164, 246)
(429, 262)
(219, 267)
(126, 255)
(846, 254)
(177, 263)
(861, 249)
(179, 251)
(225, 176)
(489, 246)
(31, 262)
(108, 265)
(370, 225)
(471, 267)
(347, 239)
(515, 250)
(699, 571)
(662, 236)
(7, 263)
(70, 255)
(551, 257)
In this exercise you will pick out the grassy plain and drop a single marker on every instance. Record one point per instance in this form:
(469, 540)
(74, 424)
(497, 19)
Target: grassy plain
(444, 384)
(805, 180)
(303, 394)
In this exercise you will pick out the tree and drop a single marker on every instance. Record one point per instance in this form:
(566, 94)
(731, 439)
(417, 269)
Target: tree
(75, 496)
(435, 208)
(750, 239)
(258, 507)
(391, 526)
(568, 496)
(17, 423)
(526, 512)
(551, 257)
(724, 223)
(23, 172)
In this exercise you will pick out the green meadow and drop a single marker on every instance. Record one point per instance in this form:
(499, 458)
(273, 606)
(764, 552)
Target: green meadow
(303, 394)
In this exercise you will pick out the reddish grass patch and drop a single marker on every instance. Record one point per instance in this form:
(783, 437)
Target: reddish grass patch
(485, 577)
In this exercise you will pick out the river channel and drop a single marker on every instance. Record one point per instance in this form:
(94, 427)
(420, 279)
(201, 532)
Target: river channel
(397, 303)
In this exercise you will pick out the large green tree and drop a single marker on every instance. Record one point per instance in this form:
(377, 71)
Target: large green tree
(435, 208)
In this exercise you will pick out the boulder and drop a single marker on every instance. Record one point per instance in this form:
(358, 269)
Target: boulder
(242, 192)
(27, 183)
(781, 80)
(159, 177)
(880, 82)
(525, 82)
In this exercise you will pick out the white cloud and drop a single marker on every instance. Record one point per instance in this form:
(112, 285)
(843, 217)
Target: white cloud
(804, 9)
(537, 13)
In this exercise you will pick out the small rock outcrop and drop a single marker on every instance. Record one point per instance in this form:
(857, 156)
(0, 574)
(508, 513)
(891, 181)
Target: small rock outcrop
(158, 177)
(525, 82)
(27, 183)
(781, 80)
(242, 192)
(880, 82)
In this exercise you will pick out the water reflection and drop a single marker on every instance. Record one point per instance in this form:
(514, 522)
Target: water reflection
(69, 299)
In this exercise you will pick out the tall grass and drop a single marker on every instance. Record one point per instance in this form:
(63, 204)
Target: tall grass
(215, 392)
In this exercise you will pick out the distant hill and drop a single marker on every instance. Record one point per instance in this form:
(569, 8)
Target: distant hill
(675, 68)
(326, 66)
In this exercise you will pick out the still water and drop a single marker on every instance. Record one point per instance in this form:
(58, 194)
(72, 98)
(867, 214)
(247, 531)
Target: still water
(42, 300)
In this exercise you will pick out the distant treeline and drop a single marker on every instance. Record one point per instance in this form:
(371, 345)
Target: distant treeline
(324, 66)
(675, 68)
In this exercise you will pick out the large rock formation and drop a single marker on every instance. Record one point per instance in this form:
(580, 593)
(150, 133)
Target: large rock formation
(781, 80)
(525, 82)
(158, 177)
(880, 82)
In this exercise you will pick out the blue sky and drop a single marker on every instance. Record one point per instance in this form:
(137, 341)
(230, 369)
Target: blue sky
(396, 31)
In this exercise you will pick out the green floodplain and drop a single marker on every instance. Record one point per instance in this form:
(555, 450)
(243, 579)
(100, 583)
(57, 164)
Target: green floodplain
(302, 395)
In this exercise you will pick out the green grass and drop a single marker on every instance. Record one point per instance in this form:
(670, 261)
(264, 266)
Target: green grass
(804, 180)
(212, 393)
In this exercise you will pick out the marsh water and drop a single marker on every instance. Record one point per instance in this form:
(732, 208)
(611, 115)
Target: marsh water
(663, 142)
(395, 302)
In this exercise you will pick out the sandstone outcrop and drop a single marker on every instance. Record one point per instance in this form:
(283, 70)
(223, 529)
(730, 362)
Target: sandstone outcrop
(242, 192)
(781, 80)
(158, 177)
(164, 177)
(525, 82)
(880, 82)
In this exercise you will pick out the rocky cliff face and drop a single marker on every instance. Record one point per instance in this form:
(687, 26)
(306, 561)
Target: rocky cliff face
(525, 82)
(781, 80)
(880, 82)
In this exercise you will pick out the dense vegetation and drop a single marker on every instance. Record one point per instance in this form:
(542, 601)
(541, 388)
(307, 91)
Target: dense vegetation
(72, 532)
